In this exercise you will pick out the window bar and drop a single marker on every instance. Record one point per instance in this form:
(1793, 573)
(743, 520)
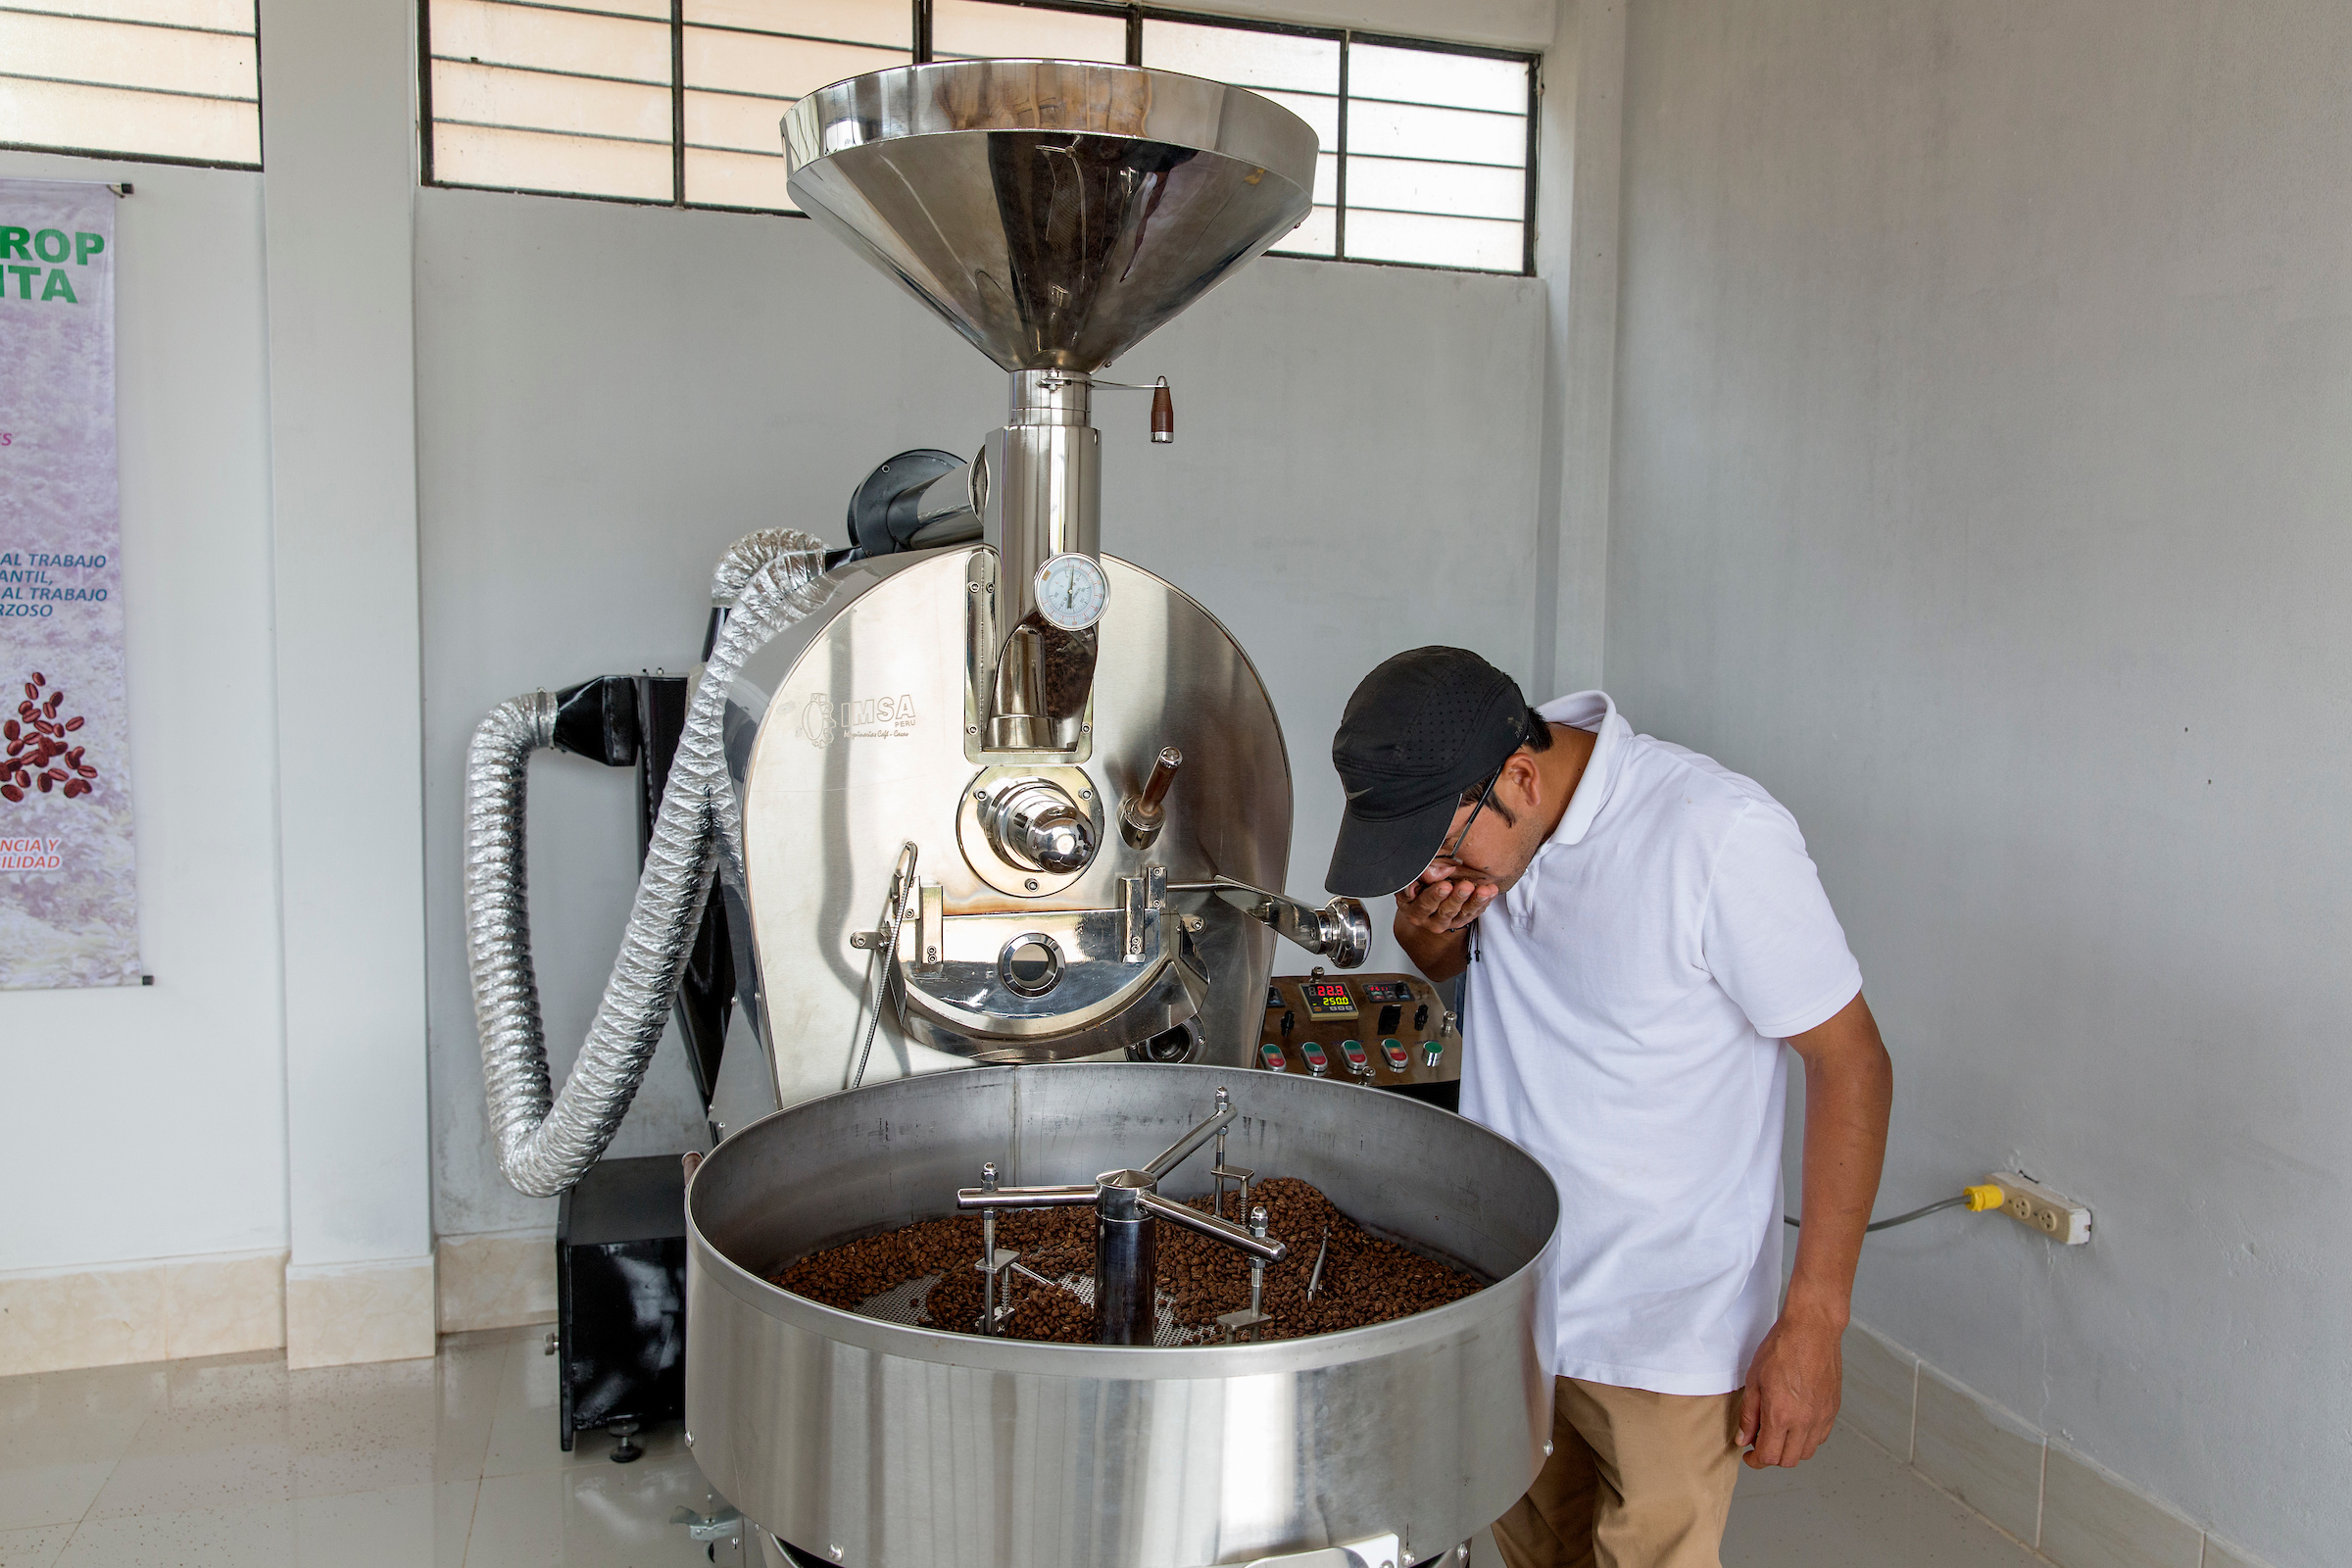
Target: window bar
(1135, 34)
(261, 130)
(922, 31)
(677, 102)
(1526, 214)
(425, 78)
(1339, 208)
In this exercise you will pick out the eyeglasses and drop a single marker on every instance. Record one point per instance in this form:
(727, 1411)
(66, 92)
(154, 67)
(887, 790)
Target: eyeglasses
(1447, 852)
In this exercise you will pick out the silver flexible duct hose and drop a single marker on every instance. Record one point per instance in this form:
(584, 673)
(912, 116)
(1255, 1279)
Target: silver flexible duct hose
(547, 1143)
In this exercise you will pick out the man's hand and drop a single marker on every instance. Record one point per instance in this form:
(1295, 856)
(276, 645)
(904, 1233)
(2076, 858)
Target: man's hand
(1442, 900)
(1432, 913)
(1792, 1397)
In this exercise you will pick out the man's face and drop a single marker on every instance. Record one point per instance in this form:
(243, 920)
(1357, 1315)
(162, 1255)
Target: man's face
(1498, 848)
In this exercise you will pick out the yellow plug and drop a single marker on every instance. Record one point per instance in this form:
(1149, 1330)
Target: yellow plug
(1980, 1199)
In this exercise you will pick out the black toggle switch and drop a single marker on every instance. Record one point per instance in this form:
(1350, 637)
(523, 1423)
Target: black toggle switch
(1421, 1018)
(1289, 1019)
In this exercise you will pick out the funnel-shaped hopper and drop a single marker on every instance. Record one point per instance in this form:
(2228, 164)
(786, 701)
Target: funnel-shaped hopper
(1054, 212)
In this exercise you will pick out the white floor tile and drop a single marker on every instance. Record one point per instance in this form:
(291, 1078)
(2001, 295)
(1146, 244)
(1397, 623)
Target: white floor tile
(402, 1527)
(33, 1548)
(254, 1536)
(1852, 1506)
(213, 1459)
(603, 1516)
(61, 1433)
(373, 1427)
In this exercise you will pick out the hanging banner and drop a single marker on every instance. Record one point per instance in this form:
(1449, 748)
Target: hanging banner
(69, 892)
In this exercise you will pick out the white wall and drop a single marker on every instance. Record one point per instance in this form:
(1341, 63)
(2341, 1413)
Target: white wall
(610, 395)
(150, 1121)
(1981, 485)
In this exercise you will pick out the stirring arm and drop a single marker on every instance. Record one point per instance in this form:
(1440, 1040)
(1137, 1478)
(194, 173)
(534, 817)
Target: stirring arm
(1183, 1149)
(1024, 1197)
(1237, 1237)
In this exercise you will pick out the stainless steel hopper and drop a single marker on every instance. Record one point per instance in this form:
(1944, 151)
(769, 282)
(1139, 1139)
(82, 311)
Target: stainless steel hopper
(1054, 212)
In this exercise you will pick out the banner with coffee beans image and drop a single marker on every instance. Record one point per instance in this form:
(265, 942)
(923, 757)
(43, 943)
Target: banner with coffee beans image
(69, 885)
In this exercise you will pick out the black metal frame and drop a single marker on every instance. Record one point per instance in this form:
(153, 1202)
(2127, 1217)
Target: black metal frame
(1134, 15)
(261, 128)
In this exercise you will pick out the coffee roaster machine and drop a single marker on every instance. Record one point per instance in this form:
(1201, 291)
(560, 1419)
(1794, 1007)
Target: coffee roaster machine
(970, 797)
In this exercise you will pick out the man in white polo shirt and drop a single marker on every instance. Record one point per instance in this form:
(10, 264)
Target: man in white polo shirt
(1643, 930)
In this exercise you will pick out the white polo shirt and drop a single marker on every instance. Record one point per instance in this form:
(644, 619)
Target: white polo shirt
(1626, 1006)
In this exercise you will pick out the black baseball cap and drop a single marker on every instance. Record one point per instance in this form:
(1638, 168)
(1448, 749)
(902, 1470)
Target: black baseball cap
(1421, 728)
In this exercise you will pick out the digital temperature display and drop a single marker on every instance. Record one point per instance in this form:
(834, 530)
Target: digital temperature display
(1327, 999)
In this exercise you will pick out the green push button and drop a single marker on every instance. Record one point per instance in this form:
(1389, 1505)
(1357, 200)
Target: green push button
(1433, 1051)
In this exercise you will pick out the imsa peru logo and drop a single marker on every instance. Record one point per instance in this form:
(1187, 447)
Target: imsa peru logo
(861, 718)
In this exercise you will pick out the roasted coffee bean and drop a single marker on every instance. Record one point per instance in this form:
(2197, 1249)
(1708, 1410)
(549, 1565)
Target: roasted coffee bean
(74, 723)
(1365, 1278)
(10, 792)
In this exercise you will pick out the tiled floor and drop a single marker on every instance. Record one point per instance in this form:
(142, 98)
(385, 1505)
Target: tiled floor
(1851, 1505)
(237, 1460)
(453, 1463)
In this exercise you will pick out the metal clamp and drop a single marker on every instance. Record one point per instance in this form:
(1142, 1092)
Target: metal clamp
(1253, 1318)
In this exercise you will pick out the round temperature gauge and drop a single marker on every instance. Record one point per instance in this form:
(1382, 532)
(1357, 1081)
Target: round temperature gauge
(1071, 591)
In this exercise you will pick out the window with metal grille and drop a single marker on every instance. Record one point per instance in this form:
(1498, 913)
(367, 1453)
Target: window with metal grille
(1428, 148)
(161, 81)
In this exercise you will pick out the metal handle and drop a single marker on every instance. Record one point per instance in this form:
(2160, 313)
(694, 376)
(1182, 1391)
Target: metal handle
(1340, 931)
(1163, 773)
(1024, 1197)
(1141, 814)
(1234, 1236)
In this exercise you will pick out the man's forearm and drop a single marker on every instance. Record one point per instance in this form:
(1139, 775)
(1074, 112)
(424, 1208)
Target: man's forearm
(1438, 955)
(1849, 1086)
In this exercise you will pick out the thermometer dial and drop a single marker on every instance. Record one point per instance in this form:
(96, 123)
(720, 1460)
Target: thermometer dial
(1071, 592)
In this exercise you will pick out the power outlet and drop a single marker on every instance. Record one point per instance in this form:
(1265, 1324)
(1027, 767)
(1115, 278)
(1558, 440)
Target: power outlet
(2037, 1208)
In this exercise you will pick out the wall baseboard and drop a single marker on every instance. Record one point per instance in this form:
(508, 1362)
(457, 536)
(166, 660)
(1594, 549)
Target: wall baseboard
(154, 1309)
(378, 1310)
(2062, 1506)
(497, 1280)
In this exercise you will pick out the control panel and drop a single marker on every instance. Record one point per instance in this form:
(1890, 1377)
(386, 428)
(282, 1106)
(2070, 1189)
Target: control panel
(1384, 1031)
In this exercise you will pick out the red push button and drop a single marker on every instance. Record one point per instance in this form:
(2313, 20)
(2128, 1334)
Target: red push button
(1271, 1054)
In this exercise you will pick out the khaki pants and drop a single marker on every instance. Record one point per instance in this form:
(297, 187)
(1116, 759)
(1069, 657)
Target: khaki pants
(1635, 1480)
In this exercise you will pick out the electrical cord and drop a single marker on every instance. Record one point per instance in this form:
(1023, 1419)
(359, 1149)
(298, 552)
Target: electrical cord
(1976, 1200)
